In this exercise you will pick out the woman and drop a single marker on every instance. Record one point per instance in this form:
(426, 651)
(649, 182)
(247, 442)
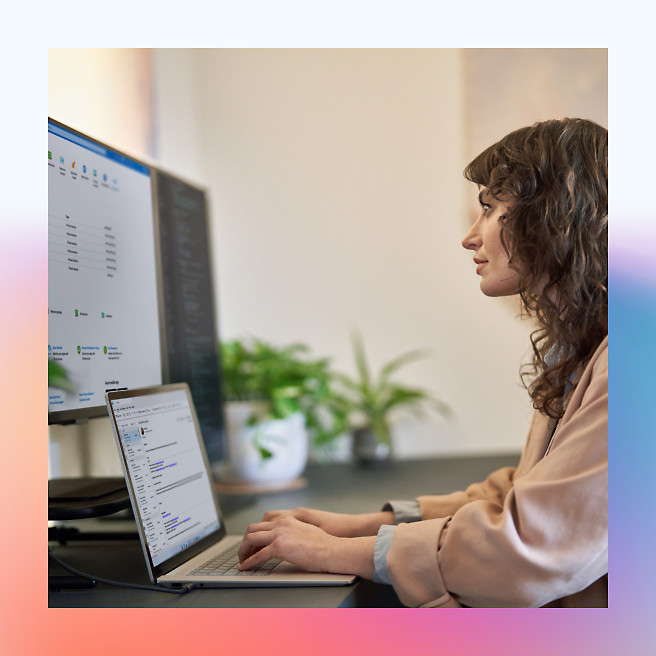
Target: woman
(535, 535)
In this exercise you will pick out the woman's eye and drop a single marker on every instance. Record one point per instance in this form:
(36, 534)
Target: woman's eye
(485, 207)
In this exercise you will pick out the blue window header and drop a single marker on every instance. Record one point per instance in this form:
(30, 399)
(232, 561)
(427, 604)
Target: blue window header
(98, 149)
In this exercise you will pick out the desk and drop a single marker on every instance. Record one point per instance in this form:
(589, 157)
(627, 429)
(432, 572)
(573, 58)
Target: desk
(336, 487)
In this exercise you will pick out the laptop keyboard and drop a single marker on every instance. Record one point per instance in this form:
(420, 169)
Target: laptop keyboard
(225, 564)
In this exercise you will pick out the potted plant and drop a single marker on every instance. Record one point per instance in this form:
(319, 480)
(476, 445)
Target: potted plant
(278, 401)
(373, 399)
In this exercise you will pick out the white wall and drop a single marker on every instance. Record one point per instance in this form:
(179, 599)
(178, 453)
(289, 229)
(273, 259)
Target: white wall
(176, 83)
(104, 92)
(338, 201)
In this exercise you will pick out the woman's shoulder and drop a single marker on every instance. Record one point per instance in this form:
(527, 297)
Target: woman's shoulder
(599, 360)
(592, 381)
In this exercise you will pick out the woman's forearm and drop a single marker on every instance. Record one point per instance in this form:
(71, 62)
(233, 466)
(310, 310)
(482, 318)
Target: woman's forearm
(368, 524)
(307, 546)
(353, 556)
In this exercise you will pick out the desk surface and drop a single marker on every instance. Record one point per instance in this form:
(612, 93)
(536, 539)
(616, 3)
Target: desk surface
(337, 487)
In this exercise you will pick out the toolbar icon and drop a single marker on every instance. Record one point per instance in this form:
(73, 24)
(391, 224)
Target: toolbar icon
(49, 154)
(61, 159)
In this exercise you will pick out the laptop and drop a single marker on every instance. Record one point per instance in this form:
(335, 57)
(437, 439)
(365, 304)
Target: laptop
(168, 477)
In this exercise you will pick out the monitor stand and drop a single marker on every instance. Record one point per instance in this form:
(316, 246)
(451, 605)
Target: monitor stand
(86, 497)
(81, 498)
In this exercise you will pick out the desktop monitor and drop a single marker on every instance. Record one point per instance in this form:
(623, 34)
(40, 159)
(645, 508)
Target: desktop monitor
(130, 293)
(103, 320)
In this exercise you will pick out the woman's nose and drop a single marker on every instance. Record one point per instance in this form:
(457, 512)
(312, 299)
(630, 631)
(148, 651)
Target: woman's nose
(471, 240)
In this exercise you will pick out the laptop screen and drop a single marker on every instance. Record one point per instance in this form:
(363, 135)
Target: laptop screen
(172, 491)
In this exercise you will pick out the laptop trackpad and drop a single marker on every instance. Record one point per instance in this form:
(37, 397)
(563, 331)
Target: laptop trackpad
(288, 568)
(289, 572)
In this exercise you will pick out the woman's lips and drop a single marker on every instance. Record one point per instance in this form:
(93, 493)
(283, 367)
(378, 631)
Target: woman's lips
(480, 266)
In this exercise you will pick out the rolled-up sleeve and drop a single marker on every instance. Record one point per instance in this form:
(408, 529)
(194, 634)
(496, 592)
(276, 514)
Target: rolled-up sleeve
(405, 512)
(543, 537)
(493, 489)
(383, 542)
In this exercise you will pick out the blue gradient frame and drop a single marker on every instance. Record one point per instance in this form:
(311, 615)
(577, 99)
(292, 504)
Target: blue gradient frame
(632, 453)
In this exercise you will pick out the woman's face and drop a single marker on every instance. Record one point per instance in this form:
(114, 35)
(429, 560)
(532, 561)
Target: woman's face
(484, 238)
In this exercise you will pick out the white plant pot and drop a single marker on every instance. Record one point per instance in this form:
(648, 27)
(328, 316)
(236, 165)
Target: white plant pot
(286, 439)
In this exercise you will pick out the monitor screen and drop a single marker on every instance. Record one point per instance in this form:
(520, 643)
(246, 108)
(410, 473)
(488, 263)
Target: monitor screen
(103, 323)
(164, 464)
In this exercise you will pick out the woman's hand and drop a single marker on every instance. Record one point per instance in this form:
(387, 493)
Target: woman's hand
(337, 524)
(307, 546)
(303, 544)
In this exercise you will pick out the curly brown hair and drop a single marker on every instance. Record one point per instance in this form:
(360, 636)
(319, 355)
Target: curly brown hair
(556, 236)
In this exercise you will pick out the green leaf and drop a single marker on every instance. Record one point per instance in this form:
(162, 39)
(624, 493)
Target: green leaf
(264, 453)
(444, 409)
(401, 361)
(403, 396)
(360, 359)
(252, 420)
(283, 407)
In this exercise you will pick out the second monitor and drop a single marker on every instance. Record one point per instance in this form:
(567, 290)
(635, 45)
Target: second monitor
(188, 314)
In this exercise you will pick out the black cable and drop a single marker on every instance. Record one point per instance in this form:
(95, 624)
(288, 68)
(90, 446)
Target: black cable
(119, 584)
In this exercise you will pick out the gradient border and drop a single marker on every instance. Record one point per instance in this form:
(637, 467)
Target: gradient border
(28, 627)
